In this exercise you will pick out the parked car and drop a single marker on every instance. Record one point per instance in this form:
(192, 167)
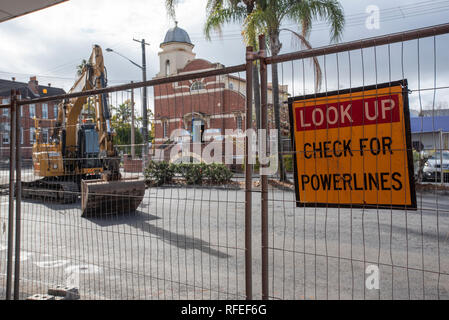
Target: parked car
(433, 166)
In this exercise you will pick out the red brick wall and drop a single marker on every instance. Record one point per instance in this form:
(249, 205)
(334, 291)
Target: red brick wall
(216, 100)
(26, 123)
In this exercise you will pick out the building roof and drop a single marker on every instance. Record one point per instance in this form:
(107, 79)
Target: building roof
(14, 9)
(177, 34)
(429, 124)
(43, 91)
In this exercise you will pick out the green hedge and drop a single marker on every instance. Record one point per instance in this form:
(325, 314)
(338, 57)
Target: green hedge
(218, 173)
(159, 173)
(193, 173)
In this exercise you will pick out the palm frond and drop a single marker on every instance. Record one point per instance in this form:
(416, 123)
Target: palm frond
(254, 24)
(170, 6)
(221, 16)
(301, 42)
(331, 11)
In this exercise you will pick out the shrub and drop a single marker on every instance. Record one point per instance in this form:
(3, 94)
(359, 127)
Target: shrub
(193, 173)
(218, 173)
(288, 162)
(159, 173)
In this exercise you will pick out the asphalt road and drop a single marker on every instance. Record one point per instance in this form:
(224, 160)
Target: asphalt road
(188, 243)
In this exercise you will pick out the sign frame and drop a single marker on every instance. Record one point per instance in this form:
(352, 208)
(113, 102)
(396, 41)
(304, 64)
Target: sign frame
(406, 113)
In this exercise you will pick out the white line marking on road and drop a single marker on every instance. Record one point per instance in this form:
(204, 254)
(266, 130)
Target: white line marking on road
(52, 264)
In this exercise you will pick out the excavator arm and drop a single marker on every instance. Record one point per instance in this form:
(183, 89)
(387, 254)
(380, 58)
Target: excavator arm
(111, 193)
(92, 77)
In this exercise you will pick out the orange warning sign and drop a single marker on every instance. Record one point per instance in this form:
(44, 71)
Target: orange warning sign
(352, 148)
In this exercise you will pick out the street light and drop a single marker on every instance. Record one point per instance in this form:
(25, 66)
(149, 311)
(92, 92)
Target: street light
(144, 96)
(121, 55)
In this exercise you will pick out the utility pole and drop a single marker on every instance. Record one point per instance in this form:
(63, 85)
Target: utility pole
(144, 103)
(133, 133)
(441, 158)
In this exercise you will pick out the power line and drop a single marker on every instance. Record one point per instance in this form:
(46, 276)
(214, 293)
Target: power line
(352, 20)
(64, 78)
(357, 19)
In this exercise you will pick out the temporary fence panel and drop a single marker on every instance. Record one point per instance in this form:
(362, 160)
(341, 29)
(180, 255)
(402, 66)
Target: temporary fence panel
(339, 249)
(185, 241)
(5, 143)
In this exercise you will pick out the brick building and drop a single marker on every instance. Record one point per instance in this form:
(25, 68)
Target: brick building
(47, 112)
(201, 109)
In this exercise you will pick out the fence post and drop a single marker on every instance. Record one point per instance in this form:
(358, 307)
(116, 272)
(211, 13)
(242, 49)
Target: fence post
(248, 176)
(18, 198)
(12, 163)
(263, 177)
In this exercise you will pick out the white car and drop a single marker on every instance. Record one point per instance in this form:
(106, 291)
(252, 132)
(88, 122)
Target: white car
(432, 168)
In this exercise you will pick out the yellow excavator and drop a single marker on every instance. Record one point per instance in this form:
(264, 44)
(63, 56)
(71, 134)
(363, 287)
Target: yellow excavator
(80, 156)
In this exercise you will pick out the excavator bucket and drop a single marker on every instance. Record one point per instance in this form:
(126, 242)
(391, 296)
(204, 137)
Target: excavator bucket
(100, 198)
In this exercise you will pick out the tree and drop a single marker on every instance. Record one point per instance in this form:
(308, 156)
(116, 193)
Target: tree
(80, 67)
(220, 12)
(268, 17)
(121, 122)
(151, 133)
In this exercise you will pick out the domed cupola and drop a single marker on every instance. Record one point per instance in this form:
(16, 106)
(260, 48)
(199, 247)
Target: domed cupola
(176, 34)
(177, 51)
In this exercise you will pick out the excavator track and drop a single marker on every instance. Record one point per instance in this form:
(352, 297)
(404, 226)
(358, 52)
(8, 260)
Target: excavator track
(51, 191)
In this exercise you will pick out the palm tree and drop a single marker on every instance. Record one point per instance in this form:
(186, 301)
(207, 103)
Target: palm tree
(80, 67)
(268, 17)
(220, 12)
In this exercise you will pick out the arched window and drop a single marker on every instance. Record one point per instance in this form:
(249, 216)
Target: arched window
(167, 67)
(196, 86)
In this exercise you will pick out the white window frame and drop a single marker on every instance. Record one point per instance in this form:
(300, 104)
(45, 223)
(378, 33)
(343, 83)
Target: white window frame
(6, 110)
(6, 134)
(165, 129)
(45, 114)
(32, 135)
(239, 122)
(32, 107)
(197, 86)
(5, 137)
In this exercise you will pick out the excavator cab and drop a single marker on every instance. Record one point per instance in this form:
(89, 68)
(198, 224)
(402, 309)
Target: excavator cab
(88, 149)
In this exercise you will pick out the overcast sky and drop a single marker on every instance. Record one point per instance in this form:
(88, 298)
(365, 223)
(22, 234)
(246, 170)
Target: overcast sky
(50, 43)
